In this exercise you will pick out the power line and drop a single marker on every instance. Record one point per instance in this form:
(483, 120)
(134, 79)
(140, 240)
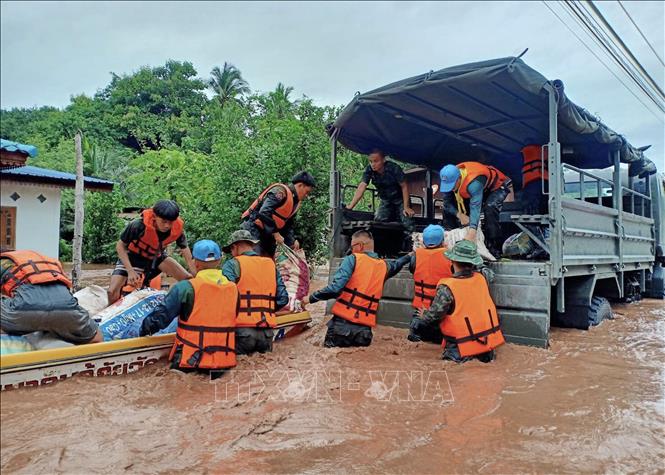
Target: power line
(625, 48)
(611, 47)
(597, 34)
(657, 116)
(640, 32)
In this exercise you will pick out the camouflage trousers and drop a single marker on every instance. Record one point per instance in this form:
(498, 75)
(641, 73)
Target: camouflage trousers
(393, 211)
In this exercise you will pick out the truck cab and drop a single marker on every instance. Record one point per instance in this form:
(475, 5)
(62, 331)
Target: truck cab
(604, 228)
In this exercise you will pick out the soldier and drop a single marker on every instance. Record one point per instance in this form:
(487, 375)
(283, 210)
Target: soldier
(357, 286)
(206, 307)
(142, 249)
(486, 188)
(464, 310)
(428, 265)
(36, 296)
(262, 293)
(269, 218)
(388, 178)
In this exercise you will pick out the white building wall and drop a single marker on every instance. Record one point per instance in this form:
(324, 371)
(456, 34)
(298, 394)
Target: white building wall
(37, 223)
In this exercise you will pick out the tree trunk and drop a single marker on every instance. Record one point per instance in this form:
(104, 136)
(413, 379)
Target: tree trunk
(78, 216)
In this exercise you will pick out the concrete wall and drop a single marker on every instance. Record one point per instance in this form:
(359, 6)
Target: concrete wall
(37, 223)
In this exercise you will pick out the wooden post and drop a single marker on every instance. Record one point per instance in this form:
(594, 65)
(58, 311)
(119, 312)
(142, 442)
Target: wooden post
(78, 216)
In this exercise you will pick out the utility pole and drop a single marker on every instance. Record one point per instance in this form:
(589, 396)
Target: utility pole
(78, 215)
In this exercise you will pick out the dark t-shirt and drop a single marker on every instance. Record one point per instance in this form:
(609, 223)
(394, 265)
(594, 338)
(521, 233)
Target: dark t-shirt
(136, 229)
(387, 183)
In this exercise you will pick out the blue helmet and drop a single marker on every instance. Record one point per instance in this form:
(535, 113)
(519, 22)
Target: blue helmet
(433, 235)
(449, 175)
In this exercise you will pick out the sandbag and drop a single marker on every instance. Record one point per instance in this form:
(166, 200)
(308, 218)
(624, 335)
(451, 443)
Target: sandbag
(93, 298)
(117, 318)
(451, 237)
(292, 267)
(11, 344)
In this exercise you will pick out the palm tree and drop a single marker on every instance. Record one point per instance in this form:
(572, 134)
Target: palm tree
(279, 99)
(282, 92)
(227, 84)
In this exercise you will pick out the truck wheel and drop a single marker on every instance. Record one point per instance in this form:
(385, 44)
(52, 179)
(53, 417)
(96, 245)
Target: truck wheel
(599, 310)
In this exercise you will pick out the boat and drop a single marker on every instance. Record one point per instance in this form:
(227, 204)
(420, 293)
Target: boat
(109, 358)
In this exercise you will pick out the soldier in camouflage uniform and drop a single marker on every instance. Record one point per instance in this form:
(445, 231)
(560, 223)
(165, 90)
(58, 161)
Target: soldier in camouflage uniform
(444, 302)
(388, 178)
(265, 219)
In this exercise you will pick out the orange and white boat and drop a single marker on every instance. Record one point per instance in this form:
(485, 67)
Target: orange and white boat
(45, 367)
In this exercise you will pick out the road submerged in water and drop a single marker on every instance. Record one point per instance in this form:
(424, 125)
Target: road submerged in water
(593, 402)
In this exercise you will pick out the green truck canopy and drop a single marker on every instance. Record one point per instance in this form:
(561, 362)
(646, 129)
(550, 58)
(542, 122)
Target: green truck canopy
(485, 111)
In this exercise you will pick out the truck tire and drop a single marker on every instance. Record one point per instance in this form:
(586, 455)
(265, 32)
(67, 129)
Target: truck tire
(656, 282)
(599, 310)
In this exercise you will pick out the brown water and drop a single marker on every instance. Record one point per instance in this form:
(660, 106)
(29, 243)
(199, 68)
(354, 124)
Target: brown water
(93, 274)
(594, 402)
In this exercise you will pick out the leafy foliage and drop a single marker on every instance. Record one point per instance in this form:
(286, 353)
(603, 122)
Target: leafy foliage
(102, 226)
(227, 84)
(157, 135)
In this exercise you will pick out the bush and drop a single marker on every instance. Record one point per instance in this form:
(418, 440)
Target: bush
(65, 251)
(102, 226)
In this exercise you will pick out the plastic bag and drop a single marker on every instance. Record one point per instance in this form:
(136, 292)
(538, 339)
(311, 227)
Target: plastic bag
(518, 245)
(11, 344)
(46, 341)
(451, 237)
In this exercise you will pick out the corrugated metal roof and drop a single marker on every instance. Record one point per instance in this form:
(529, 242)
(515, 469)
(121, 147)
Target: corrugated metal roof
(18, 147)
(45, 175)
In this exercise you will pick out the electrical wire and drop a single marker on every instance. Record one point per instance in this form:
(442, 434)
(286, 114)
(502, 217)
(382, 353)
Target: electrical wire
(640, 32)
(596, 33)
(657, 116)
(630, 54)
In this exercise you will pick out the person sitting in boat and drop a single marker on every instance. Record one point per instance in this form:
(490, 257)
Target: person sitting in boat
(262, 293)
(463, 309)
(141, 249)
(206, 308)
(36, 296)
(357, 287)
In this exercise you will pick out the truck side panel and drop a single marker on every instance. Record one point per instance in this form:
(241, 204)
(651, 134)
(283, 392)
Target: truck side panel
(521, 291)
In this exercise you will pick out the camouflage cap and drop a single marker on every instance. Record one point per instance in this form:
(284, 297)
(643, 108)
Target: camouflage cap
(464, 251)
(239, 236)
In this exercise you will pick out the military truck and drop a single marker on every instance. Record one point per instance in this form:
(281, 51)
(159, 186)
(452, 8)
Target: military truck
(605, 235)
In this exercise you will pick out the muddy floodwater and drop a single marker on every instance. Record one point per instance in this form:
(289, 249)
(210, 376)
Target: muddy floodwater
(593, 402)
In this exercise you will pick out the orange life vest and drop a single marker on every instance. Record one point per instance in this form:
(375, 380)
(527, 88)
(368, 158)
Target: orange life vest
(534, 168)
(359, 300)
(32, 268)
(208, 338)
(149, 244)
(495, 178)
(431, 266)
(257, 287)
(474, 324)
(282, 214)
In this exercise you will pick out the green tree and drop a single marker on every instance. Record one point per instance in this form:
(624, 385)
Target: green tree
(102, 226)
(227, 84)
(157, 136)
(155, 107)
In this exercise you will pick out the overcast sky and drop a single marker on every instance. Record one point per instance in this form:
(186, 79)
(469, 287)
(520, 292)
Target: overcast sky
(327, 51)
